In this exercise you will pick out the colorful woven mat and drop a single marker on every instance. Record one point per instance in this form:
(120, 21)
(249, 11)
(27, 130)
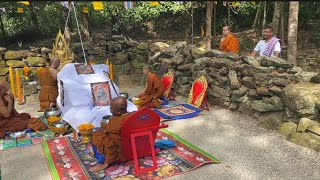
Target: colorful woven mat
(69, 159)
(27, 140)
(178, 112)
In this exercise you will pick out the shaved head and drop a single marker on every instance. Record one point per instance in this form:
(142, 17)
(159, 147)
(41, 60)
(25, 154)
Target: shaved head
(146, 69)
(55, 62)
(118, 106)
(4, 87)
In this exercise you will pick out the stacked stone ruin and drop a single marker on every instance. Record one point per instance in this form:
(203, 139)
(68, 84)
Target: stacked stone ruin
(281, 97)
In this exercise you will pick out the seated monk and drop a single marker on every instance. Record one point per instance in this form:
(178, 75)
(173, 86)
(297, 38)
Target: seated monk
(153, 90)
(108, 140)
(10, 119)
(49, 85)
(228, 43)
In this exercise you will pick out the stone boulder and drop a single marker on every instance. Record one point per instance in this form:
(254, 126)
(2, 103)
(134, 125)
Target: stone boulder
(315, 129)
(198, 52)
(287, 128)
(271, 120)
(77, 48)
(36, 61)
(14, 63)
(17, 55)
(95, 51)
(261, 106)
(2, 49)
(158, 47)
(185, 67)
(275, 62)
(308, 140)
(303, 98)
(200, 63)
(234, 82)
(304, 123)
(230, 55)
(45, 50)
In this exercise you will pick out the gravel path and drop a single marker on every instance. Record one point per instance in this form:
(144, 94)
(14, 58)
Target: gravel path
(246, 151)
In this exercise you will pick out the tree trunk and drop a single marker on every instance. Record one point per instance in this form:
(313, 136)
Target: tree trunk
(214, 22)
(85, 25)
(3, 32)
(229, 14)
(34, 17)
(257, 15)
(276, 17)
(282, 26)
(292, 32)
(208, 24)
(264, 14)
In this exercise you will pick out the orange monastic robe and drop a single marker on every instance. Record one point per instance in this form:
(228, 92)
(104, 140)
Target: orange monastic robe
(230, 44)
(108, 142)
(154, 89)
(49, 88)
(16, 121)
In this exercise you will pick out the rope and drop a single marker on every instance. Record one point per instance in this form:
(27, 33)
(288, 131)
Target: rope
(75, 14)
(67, 19)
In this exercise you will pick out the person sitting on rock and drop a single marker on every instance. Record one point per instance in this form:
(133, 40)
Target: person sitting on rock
(228, 42)
(153, 90)
(108, 140)
(10, 119)
(269, 45)
(49, 85)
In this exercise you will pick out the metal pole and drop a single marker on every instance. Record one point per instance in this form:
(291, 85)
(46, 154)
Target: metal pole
(192, 22)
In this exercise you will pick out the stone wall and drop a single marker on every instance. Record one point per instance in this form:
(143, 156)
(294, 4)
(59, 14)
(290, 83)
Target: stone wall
(279, 96)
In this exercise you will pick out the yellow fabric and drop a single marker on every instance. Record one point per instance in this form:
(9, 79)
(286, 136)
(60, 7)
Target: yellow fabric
(154, 3)
(20, 10)
(85, 9)
(24, 2)
(97, 5)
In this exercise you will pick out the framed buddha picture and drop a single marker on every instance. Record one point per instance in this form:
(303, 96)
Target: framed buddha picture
(61, 93)
(101, 93)
(84, 69)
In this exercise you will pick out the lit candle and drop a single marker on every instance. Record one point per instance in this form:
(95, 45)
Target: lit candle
(19, 87)
(12, 81)
(111, 71)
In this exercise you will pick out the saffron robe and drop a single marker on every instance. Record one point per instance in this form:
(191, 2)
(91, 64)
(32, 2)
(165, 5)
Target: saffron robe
(49, 89)
(230, 44)
(154, 89)
(109, 142)
(16, 121)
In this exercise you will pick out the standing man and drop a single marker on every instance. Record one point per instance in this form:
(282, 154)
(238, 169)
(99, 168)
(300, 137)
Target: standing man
(228, 43)
(269, 45)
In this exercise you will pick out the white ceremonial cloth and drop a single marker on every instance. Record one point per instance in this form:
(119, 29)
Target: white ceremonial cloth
(78, 99)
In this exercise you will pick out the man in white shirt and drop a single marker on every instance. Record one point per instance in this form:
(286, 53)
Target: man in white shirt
(269, 45)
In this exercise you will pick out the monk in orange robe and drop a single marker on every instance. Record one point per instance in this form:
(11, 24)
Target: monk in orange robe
(49, 85)
(108, 140)
(228, 43)
(153, 90)
(10, 119)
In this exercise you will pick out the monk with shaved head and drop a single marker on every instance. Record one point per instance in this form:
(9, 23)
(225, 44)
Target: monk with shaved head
(10, 119)
(108, 140)
(153, 90)
(49, 85)
(228, 42)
